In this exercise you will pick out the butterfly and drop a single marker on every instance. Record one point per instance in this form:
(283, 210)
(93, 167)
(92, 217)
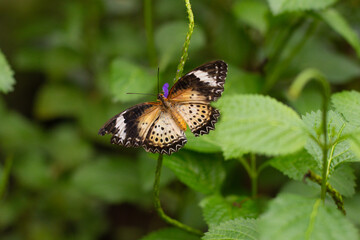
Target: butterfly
(159, 127)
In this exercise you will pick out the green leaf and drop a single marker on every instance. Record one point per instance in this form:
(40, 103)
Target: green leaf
(252, 13)
(319, 54)
(6, 75)
(339, 151)
(54, 101)
(339, 24)
(258, 124)
(127, 77)
(33, 171)
(281, 6)
(343, 180)
(202, 172)
(112, 180)
(348, 104)
(294, 165)
(169, 40)
(240, 81)
(237, 229)
(67, 148)
(295, 217)
(352, 208)
(206, 144)
(170, 234)
(217, 209)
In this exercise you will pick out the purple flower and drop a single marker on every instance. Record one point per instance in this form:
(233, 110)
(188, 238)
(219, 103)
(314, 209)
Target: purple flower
(165, 89)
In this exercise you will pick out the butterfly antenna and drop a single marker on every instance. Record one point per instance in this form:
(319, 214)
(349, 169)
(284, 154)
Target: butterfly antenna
(158, 77)
(149, 94)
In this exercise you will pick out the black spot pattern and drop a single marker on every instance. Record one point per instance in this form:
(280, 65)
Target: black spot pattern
(217, 70)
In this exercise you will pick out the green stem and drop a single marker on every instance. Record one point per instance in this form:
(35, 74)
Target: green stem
(254, 177)
(252, 172)
(294, 92)
(336, 196)
(149, 33)
(184, 55)
(6, 174)
(157, 203)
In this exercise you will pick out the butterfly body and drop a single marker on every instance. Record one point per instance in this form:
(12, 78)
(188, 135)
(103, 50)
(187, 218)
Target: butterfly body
(160, 126)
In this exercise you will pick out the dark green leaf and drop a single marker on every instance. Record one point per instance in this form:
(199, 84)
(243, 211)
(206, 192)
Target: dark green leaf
(340, 25)
(170, 234)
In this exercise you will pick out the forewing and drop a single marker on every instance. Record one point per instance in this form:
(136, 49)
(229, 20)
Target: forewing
(164, 136)
(130, 127)
(201, 85)
(200, 118)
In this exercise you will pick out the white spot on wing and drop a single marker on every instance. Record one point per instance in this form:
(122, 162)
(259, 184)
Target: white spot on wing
(205, 77)
(120, 125)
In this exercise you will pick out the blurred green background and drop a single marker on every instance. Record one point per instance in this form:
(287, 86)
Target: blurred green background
(74, 60)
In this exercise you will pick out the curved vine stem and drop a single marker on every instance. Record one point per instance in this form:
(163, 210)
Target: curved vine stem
(295, 89)
(157, 203)
(184, 55)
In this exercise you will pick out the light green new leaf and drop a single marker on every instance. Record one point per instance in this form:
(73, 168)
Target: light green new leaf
(343, 180)
(112, 180)
(337, 127)
(202, 172)
(281, 6)
(128, 77)
(217, 209)
(348, 104)
(258, 124)
(6, 75)
(237, 229)
(170, 234)
(295, 165)
(295, 217)
(169, 40)
(339, 24)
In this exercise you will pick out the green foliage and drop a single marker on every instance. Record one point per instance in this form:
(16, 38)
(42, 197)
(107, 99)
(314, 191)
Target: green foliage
(312, 220)
(348, 104)
(112, 180)
(217, 209)
(340, 25)
(237, 229)
(203, 173)
(169, 40)
(294, 165)
(258, 124)
(339, 149)
(6, 75)
(281, 6)
(74, 65)
(170, 234)
(126, 76)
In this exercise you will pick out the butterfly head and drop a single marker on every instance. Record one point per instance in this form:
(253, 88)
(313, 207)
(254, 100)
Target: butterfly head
(165, 89)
